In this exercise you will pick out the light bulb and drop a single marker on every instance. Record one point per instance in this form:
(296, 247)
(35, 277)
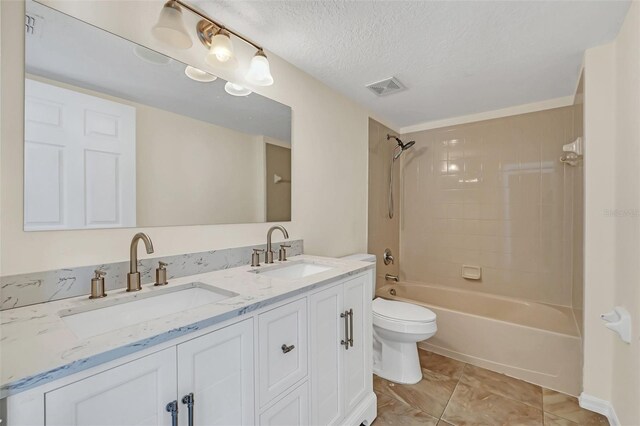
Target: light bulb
(170, 28)
(221, 49)
(235, 89)
(198, 75)
(259, 71)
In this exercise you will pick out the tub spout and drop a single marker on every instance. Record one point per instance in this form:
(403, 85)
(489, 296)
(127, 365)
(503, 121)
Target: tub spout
(390, 277)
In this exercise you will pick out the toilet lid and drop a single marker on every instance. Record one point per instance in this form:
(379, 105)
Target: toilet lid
(402, 311)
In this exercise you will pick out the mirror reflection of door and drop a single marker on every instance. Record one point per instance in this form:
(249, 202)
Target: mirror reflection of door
(80, 154)
(278, 159)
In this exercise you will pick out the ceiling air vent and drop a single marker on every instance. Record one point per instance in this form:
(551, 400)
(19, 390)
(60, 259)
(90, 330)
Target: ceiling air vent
(386, 86)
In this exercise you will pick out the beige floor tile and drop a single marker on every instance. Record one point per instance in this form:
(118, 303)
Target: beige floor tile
(478, 406)
(553, 420)
(503, 385)
(441, 364)
(394, 412)
(567, 407)
(430, 395)
(443, 423)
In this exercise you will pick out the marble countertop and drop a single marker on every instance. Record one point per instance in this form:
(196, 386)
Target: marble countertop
(37, 347)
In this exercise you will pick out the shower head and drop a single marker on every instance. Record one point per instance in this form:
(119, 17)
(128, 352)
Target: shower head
(403, 146)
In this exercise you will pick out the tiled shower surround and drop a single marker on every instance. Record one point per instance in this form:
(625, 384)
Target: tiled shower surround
(492, 194)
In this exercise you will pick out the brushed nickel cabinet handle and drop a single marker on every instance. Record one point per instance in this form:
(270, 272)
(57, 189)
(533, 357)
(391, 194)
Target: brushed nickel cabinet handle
(350, 327)
(172, 408)
(345, 342)
(188, 400)
(286, 349)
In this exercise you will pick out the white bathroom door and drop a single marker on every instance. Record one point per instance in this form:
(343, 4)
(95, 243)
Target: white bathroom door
(80, 160)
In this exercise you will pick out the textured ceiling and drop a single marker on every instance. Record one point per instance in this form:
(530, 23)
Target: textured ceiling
(455, 57)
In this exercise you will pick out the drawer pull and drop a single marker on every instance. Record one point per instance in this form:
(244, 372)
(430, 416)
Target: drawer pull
(350, 327)
(286, 349)
(345, 342)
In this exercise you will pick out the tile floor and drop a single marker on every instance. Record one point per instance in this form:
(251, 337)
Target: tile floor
(453, 393)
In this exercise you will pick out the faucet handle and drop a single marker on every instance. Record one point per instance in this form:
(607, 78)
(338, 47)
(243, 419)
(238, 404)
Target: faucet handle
(161, 274)
(97, 285)
(282, 253)
(255, 257)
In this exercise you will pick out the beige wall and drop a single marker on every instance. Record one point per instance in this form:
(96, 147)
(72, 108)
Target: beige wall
(612, 203)
(192, 173)
(492, 194)
(383, 232)
(626, 358)
(329, 172)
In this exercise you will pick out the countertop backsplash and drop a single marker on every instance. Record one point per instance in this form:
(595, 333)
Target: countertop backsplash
(38, 287)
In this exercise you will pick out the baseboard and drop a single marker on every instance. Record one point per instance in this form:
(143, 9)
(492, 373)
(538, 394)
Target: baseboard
(600, 406)
(364, 413)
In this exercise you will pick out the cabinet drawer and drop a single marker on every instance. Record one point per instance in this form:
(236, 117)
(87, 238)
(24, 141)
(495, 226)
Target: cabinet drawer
(282, 348)
(292, 410)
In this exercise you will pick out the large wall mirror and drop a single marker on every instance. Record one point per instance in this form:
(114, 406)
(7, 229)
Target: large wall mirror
(117, 135)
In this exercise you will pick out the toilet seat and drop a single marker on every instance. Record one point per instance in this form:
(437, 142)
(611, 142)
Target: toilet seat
(403, 317)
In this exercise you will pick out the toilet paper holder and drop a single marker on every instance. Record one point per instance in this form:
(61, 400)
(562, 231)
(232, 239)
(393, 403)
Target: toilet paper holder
(619, 320)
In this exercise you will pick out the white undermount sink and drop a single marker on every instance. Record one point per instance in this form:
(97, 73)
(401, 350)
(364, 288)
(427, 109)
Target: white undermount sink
(293, 270)
(109, 315)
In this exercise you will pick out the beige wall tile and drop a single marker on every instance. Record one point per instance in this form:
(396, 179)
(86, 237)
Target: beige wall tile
(494, 194)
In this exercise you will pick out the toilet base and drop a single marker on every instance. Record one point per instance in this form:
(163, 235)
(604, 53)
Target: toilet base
(397, 362)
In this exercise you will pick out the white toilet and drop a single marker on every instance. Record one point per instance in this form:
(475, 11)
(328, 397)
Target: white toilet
(397, 328)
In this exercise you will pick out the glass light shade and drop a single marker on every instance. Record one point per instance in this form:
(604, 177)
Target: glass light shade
(236, 89)
(259, 71)
(221, 49)
(198, 75)
(170, 28)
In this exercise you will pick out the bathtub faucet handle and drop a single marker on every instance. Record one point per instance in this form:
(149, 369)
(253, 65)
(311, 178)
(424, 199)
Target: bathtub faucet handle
(387, 257)
(390, 277)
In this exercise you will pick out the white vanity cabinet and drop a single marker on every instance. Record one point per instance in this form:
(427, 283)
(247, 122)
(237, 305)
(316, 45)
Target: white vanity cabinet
(303, 360)
(340, 347)
(135, 393)
(216, 368)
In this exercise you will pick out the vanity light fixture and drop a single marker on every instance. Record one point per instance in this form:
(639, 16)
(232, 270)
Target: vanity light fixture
(221, 46)
(235, 89)
(170, 28)
(197, 74)
(215, 37)
(259, 70)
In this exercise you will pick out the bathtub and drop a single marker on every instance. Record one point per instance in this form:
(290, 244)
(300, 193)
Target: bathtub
(532, 341)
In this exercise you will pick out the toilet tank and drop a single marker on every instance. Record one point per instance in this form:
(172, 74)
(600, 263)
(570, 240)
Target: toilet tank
(364, 257)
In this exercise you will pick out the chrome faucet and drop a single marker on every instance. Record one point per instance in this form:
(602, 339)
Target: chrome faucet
(133, 277)
(389, 277)
(268, 255)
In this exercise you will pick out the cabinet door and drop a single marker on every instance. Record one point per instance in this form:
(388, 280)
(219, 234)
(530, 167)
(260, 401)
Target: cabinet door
(327, 330)
(292, 410)
(357, 360)
(283, 349)
(218, 369)
(135, 393)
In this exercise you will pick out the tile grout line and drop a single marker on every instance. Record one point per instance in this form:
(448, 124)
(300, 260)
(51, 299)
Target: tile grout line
(451, 396)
